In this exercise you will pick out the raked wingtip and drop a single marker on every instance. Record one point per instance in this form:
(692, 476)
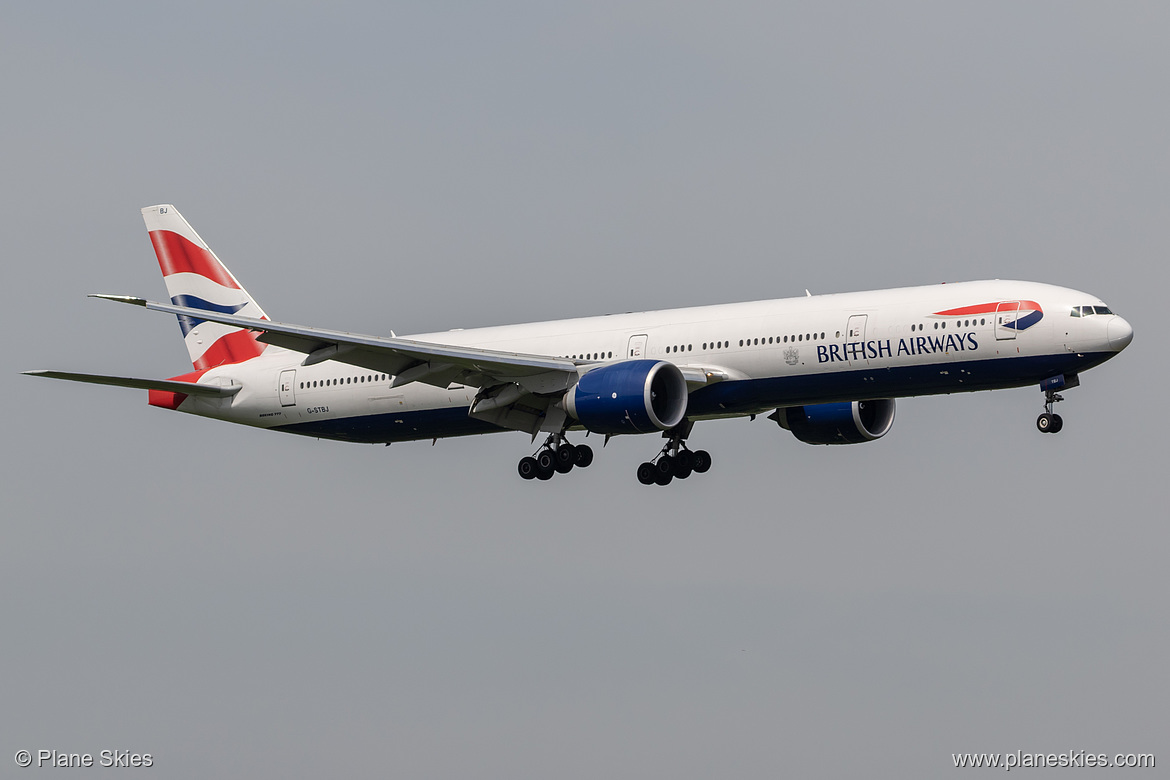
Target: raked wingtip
(119, 298)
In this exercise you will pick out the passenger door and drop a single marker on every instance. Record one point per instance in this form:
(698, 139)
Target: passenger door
(287, 382)
(855, 333)
(1005, 314)
(637, 348)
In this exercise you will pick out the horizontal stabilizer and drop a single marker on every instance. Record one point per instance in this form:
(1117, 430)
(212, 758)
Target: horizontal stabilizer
(167, 385)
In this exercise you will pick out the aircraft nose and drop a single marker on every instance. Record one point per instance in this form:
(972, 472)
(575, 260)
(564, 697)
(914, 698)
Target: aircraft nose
(1120, 333)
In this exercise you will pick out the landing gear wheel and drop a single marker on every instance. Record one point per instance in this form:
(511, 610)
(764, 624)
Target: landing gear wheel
(664, 470)
(545, 465)
(566, 457)
(584, 455)
(702, 461)
(1050, 422)
(527, 468)
(646, 473)
(684, 464)
(665, 465)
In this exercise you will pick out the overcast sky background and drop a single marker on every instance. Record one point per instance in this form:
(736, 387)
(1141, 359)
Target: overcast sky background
(246, 604)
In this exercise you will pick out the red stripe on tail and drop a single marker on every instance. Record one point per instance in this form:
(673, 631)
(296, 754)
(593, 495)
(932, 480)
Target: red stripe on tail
(165, 399)
(235, 347)
(177, 255)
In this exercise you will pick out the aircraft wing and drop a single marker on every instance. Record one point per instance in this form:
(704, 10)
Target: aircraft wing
(169, 385)
(404, 359)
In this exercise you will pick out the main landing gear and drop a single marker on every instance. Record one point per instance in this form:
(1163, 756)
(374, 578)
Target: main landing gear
(1050, 422)
(674, 460)
(557, 456)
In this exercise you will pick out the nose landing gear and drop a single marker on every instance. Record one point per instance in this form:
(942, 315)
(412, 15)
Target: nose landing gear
(1049, 421)
(556, 456)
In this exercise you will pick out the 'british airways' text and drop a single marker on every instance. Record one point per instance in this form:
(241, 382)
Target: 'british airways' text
(915, 345)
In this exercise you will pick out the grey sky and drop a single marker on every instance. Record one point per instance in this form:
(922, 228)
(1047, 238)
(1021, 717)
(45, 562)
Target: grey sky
(247, 604)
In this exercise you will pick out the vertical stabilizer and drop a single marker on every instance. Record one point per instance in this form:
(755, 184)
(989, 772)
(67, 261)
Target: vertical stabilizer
(196, 278)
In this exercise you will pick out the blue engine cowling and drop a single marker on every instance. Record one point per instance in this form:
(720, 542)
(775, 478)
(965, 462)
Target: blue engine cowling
(634, 396)
(841, 423)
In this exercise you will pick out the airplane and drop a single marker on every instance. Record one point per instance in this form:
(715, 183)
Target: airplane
(827, 368)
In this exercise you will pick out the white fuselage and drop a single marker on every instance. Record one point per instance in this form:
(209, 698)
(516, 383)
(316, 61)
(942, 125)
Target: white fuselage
(757, 356)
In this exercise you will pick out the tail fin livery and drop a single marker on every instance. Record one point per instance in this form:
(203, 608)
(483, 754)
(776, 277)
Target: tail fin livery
(197, 279)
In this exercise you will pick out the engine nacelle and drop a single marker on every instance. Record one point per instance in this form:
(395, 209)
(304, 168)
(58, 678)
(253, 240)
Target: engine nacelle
(634, 396)
(841, 423)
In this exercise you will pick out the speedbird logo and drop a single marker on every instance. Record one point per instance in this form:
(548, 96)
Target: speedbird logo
(1016, 315)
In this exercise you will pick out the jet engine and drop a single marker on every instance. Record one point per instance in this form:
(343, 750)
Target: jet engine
(849, 422)
(634, 396)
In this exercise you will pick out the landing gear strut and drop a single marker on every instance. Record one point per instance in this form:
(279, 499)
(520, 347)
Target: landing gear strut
(1049, 421)
(674, 460)
(556, 456)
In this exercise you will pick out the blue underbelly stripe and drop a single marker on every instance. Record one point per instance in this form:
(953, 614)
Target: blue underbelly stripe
(742, 397)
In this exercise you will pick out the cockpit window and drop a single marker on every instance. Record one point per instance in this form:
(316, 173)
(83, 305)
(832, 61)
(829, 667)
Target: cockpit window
(1088, 311)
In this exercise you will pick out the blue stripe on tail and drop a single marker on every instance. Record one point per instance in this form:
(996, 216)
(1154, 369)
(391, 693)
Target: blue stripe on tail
(187, 324)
